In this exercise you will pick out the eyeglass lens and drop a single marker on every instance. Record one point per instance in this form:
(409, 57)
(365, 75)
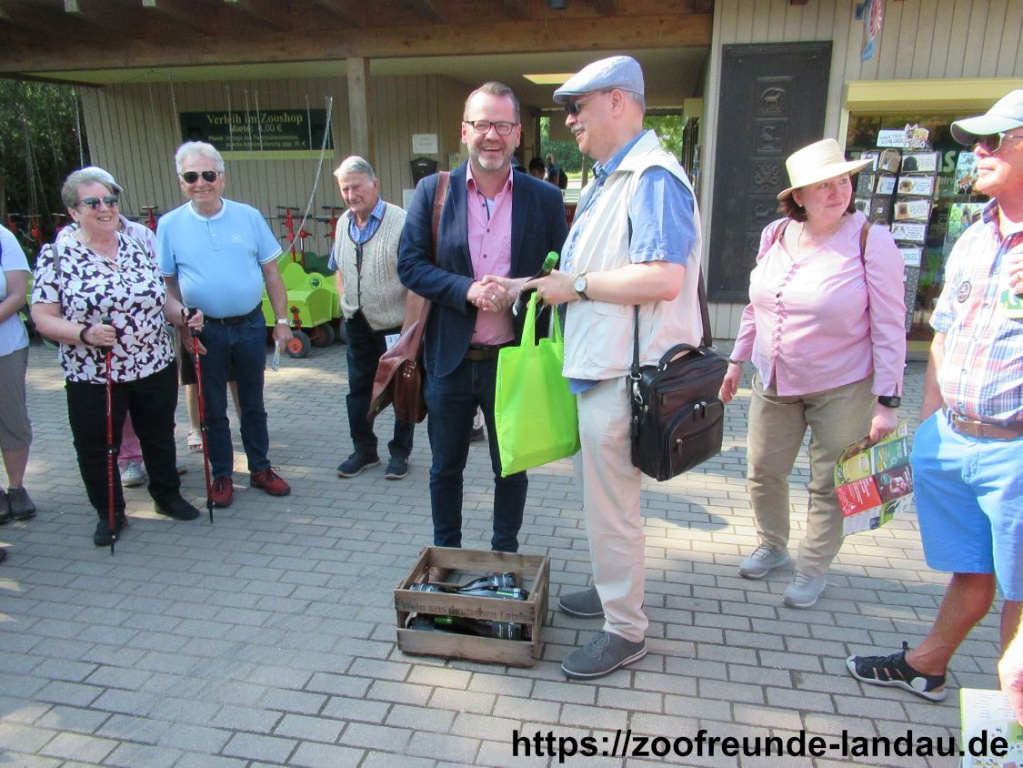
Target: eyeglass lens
(994, 142)
(573, 107)
(94, 202)
(190, 177)
(484, 126)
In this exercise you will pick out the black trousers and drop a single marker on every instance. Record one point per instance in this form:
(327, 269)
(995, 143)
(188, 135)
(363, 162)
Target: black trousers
(152, 402)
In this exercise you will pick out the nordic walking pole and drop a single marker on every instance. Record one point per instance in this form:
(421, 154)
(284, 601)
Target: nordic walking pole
(111, 451)
(202, 413)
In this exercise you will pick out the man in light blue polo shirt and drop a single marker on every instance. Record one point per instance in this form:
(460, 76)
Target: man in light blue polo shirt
(216, 255)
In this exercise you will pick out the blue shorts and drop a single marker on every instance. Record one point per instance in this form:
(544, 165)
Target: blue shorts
(969, 499)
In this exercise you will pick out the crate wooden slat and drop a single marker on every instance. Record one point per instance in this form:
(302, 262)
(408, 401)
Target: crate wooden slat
(533, 573)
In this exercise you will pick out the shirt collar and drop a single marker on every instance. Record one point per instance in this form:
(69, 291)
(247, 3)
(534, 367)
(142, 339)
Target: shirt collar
(602, 170)
(470, 181)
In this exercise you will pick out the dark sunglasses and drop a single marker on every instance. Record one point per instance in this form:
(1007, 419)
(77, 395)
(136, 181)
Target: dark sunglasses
(94, 202)
(190, 177)
(573, 106)
(994, 142)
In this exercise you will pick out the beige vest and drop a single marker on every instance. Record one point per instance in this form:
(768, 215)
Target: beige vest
(377, 291)
(599, 335)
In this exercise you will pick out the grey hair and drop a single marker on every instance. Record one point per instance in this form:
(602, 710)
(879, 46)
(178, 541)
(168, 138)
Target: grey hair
(355, 164)
(200, 148)
(638, 98)
(69, 191)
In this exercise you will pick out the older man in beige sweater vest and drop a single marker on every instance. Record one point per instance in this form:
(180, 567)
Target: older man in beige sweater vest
(365, 256)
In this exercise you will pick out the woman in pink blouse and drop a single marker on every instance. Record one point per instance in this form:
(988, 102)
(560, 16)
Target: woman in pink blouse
(825, 332)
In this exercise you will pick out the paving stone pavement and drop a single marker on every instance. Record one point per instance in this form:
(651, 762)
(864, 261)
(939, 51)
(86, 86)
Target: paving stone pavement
(268, 637)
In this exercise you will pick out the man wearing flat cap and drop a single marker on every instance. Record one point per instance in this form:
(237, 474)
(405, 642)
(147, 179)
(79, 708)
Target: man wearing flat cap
(968, 451)
(635, 241)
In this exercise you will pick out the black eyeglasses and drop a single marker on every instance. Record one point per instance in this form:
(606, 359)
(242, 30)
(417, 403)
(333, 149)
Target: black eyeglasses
(994, 142)
(94, 202)
(503, 128)
(190, 177)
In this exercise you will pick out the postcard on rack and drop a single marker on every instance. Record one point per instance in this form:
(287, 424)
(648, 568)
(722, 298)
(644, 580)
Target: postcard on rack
(873, 482)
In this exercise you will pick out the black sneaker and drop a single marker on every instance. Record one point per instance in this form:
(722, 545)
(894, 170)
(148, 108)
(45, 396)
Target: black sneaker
(355, 463)
(397, 468)
(895, 672)
(178, 509)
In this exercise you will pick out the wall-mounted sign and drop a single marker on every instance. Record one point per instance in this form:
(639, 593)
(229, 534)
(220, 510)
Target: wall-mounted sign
(424, 143)
(270, 130)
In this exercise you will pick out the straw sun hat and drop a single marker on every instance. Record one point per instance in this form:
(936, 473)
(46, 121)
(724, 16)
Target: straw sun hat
(817, 162)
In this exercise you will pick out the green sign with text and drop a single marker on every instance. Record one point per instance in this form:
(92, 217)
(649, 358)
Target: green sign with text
(272, 130)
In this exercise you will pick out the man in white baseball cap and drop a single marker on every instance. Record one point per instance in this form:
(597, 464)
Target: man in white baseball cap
(968, 450)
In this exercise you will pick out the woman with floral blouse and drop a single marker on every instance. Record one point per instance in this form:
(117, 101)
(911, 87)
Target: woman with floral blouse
(100, 290)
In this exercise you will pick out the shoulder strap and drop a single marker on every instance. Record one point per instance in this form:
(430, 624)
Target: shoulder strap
(438, 205)
(864, 232)
(707, 340)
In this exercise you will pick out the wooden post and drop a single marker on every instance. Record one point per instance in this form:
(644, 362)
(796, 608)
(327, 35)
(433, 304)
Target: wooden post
(358, 108)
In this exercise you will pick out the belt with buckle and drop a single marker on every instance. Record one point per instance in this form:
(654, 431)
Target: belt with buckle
(235, 319)
(974, 428)
(477, 352)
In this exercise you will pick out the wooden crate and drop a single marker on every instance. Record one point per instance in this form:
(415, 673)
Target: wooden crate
(534, 575)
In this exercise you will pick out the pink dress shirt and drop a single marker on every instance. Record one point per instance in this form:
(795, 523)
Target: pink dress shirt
(490, 251)
(830, 319)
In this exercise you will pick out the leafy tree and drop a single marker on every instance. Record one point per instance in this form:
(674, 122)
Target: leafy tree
(40, 144)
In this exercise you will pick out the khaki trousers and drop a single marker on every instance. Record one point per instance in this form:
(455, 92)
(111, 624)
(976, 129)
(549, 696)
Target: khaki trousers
(836, 418)
(611, 487)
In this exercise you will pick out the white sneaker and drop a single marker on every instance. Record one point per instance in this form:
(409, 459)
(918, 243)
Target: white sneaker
(804, 591)
(132, 474)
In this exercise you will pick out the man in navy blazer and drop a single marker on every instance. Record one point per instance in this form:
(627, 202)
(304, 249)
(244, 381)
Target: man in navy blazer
(494, 226)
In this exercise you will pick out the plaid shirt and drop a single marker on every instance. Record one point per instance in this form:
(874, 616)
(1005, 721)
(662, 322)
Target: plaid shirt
(981, 375)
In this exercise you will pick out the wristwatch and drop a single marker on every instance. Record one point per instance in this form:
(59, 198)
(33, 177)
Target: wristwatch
(890, 401)
(580, 285)
(283, 321)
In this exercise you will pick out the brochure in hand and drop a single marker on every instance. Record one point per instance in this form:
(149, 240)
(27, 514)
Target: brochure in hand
(992, 738)
(872, 482)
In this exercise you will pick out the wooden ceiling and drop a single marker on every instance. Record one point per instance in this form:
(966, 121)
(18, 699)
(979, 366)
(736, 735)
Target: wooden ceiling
(65, 39)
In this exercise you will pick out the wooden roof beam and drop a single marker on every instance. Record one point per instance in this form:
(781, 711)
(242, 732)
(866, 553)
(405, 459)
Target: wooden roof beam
(97, 14)
(263, 12)
(516, 9)
(606, 7)
(341, 11)
(27, 18)
(179, 12)
(427, 9)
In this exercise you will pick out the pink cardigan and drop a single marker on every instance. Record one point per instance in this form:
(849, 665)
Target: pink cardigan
(829, 320)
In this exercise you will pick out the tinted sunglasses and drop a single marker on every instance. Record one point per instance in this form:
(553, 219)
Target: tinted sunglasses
(94, 202)
(573, 106)
(190, 177)
(994, 142)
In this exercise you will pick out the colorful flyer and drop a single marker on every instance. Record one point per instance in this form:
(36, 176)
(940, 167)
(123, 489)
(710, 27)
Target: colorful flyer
(872, 482)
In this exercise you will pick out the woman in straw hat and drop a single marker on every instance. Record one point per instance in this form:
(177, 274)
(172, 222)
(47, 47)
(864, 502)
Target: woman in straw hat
(825, 332)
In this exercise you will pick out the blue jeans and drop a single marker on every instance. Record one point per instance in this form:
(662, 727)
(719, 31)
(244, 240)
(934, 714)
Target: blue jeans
(451, 403)
(365, 346)
(244, 346)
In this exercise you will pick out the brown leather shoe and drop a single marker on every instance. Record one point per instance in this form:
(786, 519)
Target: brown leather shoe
(439, 575)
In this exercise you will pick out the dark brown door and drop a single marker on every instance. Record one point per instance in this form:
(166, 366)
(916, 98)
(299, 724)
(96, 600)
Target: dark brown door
(773, 99)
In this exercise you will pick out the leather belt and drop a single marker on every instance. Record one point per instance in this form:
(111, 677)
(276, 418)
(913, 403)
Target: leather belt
(974, 428)
(234, 320)
(477, 352)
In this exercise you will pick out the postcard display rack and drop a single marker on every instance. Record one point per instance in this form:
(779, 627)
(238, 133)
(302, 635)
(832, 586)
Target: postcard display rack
(925, 198)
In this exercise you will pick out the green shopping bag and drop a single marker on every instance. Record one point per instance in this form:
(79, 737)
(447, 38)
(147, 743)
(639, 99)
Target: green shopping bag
(534, 411)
